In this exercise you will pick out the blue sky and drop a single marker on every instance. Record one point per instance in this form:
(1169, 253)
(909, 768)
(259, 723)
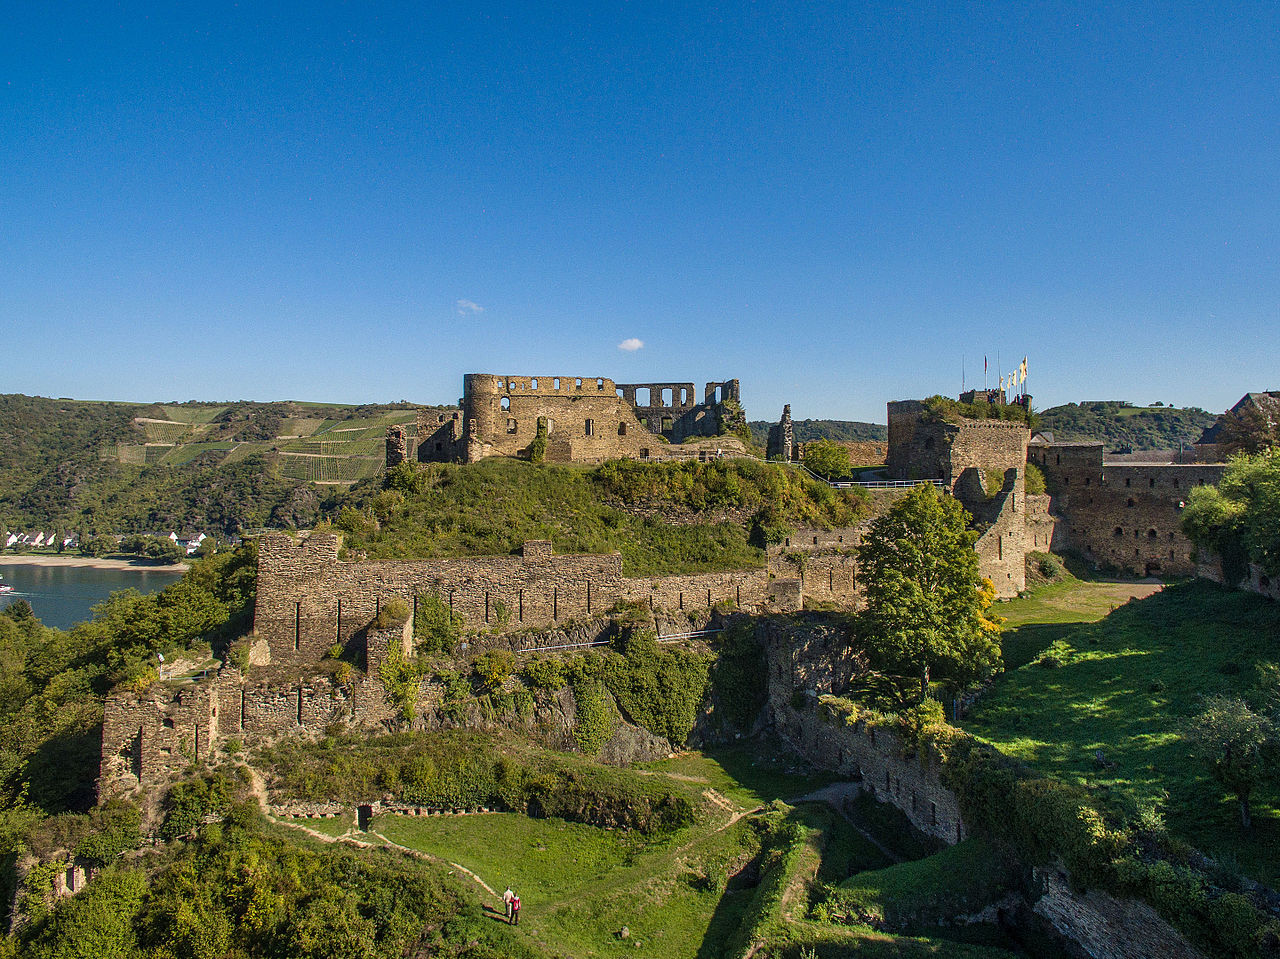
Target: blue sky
(839, 204)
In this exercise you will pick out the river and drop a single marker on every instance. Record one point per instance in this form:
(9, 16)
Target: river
(65, 595)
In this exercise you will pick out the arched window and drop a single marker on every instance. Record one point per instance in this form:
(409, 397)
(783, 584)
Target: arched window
(1119, 531)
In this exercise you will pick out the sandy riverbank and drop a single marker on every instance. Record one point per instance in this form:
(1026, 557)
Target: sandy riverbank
(17, 559)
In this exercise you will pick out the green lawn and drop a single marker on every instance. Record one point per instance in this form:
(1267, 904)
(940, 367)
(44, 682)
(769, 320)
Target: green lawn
(580, 884)
(748, 775)
(1128, 680)
(681, 895)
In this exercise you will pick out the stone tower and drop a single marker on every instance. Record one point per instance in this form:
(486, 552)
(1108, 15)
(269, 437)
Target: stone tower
(782, 443)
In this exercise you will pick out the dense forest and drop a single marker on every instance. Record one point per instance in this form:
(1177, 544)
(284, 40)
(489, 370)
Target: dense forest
(1123, 427)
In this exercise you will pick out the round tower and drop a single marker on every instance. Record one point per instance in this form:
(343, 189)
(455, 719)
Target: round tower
(482, 395)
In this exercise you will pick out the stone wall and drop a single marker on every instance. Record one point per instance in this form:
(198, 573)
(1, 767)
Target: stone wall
(1105, 927)
(155, 736)
(308, 599)
(1209, 566)
(1045, 530)
(1125, 515)
(808, 665)
(816, 662)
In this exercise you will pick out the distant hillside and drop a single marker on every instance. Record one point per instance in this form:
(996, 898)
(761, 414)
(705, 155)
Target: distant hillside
(806, 431)
(1123, 427)
(124, 467)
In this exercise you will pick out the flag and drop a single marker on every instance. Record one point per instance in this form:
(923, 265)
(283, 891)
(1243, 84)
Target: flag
(1002, 384)
(1024, 368)
(984, 365)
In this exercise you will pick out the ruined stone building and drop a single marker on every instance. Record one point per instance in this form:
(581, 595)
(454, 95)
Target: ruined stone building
(983, 464)
(583, 420)
(1121, 513)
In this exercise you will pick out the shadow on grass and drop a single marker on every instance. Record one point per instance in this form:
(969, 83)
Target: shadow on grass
(1021, 644)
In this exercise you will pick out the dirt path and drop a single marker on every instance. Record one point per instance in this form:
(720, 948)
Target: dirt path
(418, 853)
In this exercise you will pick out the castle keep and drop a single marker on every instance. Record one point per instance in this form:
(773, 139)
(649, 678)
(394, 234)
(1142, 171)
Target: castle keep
(983, 464)
(583, 419)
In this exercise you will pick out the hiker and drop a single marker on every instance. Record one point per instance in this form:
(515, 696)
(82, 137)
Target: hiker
(515, 910)
(506, 898)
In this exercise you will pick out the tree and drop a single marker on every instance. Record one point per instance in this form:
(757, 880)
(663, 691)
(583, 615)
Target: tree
(1241, 516)
(827, 459)
(1247, 430)
(1238, 745)
(928, 608)
(98, 545)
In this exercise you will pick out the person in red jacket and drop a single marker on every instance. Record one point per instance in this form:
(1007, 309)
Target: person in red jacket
(515, 910)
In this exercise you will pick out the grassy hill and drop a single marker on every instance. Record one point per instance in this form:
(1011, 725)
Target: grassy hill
(664, 518)
(1123, 427)
(1081, 680)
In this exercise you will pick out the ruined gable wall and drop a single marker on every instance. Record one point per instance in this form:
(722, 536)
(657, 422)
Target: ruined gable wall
(1002, 547)
(440, 437)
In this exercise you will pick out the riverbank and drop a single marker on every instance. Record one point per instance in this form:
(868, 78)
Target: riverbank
(91, 562)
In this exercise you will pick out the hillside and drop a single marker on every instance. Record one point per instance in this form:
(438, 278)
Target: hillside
(663, 518)
(807, 431)
(125, 467)
(1123, 427)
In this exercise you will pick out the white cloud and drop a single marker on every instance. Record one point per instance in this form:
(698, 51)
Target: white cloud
(631, 345)
(466, 306)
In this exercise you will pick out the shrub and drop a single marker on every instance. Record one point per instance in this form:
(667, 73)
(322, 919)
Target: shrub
(190, 803)
(436, 628)
(494, 668)
(594, 721)
(1034, 480)
(394, 612)
(543, 674)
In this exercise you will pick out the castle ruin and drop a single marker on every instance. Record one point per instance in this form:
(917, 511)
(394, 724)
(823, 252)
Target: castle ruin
(310, 602)
(580, 420)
